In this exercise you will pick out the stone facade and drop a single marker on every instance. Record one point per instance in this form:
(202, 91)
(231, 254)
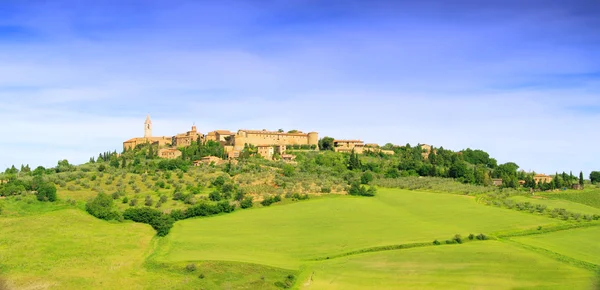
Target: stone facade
(542, 178)
(348, 145)
(266, 151)
(187, 138)
(272, 138)
(169, 153)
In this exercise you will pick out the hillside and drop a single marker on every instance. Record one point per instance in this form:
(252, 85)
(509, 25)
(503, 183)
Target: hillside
(326, 221)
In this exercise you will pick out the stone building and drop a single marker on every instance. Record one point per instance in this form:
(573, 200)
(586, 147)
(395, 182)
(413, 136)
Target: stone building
(265, 151)
(147, 139)
(169, 153)
(273, 138)
(187, 138)
(543, 178)
(233, 143)
(348, 145)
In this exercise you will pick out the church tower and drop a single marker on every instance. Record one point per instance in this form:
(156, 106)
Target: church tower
(148, 127)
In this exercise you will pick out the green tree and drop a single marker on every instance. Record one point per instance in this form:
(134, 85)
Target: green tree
(366, 178)
(595, 176)
(326, 143)
(581, 178)
(46, 192)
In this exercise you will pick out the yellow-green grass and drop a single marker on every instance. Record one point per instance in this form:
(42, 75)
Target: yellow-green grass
(581, 244)
(590, 197)
(285, 236)
(477, 265)
(560, 203)
(69, 249)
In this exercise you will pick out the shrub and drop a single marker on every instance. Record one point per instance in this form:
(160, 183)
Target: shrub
(482, 237)
(102, 207)
(177, 214)
(201, 276)
(163, 199)
(115, 195)
(148, 201)
(471, 237)
(178, 196)
(458, 238)
(215, 196)
(325, 189)
(436, 242)
(246, 202)
(159, 221)
(133, 202)
(125, 200)
(190, 267)
(46, 192)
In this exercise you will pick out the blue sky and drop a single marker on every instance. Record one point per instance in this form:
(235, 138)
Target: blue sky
(518, 79)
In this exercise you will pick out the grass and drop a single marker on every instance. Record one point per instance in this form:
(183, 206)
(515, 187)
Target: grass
(342, 242)
(560, 203)
(285, 236)
(65, 248)
(581, 244)
(590, 197)
(484, 265)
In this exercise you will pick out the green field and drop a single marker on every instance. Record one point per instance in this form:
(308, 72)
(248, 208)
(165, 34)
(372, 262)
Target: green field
(284, 236)
(485, 265)
(59, 246)
(62, 247)
(590, 197)
(554, 202)
(581, 244)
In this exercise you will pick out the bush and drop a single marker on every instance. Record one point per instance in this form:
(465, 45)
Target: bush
(148, 201)
(159, 221)
(46, 192)
(482, 237)
(115, 195)
(177, 214)
(201, 276)
(215, 196)
(190, 267)
(246, 202)
(436, 242)
(357, 189)
(102, 207)
(133, 202)
(458, 239)
(125, 200)
(471, 237)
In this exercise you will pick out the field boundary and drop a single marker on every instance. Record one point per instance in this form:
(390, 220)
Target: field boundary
(393, 248)
(554, 255)
(546, 229)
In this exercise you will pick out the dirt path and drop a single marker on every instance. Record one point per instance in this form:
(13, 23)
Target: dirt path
(307, 283)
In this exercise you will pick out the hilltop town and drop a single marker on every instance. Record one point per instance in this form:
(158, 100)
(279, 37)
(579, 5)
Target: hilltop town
(267, 143)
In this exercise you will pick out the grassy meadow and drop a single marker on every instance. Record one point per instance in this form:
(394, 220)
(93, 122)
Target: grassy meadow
(287, 235)
(485, 265)
(327, 242)
(560, 203)
(581, 244)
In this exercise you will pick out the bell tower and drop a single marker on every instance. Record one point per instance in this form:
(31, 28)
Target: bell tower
(148, 127)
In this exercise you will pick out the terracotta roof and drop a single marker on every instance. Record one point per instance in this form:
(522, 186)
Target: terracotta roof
(350, 141)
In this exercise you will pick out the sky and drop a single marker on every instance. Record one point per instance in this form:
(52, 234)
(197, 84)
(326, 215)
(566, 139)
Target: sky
(517, 79)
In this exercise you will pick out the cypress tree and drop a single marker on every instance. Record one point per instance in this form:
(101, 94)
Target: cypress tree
(581, 178)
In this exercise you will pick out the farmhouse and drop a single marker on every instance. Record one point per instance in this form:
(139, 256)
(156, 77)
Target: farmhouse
(543, 178)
